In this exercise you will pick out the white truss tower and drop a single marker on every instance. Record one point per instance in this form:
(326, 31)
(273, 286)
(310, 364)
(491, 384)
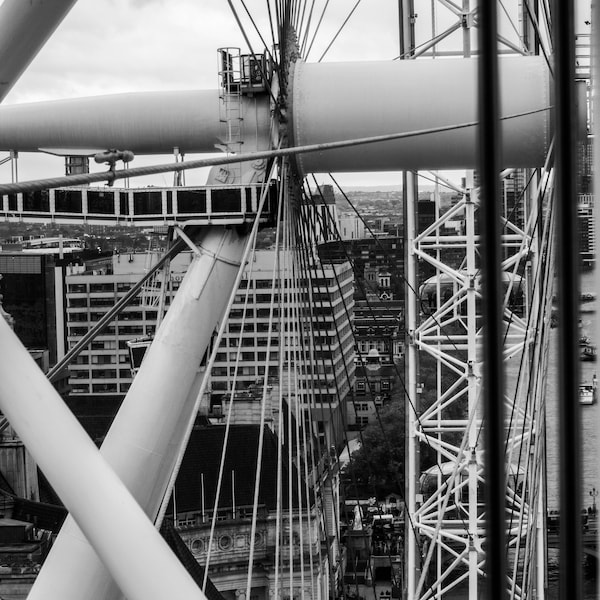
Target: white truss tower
(447, 515)
(446, 520)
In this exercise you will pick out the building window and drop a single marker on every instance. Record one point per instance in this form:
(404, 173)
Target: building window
(197, 545)
(131, 330)
(78, 317)
(77, 302)
(101, 287)
(80, 389)
(77, 288)
(131, 316)
(102, 301)
(103, 359)
(99, 388)
(105, 373)
(78, 331)
(80, 374)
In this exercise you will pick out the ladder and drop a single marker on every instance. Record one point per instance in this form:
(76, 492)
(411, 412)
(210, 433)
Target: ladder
(230, 110)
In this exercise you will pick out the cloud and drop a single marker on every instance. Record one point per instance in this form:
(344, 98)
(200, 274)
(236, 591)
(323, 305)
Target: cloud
(106, 46)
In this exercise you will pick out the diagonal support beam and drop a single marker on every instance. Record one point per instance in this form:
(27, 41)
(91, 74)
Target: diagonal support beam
(123, 536)
(144, 441)
(24, 29)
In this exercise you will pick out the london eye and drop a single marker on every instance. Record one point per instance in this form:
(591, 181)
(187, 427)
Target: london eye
(282, 121)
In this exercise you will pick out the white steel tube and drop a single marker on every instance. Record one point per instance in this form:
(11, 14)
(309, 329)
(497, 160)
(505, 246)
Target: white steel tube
(329, 102)
(143, 442)
(24, 29)
(143, 122)
(412, 525)
(473, 392)
(125, 539)
(333, 101)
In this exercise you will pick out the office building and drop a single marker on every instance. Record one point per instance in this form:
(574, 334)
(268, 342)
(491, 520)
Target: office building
(587, 230)
(321, 360)
(378, 264)
(31, 286)
(103, 367)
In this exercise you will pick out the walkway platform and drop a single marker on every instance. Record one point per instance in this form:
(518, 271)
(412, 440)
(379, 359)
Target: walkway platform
(140, 207)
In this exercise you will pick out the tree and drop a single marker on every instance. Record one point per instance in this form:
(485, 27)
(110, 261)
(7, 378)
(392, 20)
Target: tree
(377, 467)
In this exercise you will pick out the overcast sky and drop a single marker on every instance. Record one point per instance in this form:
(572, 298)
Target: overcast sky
(112, 46)
(105, 46)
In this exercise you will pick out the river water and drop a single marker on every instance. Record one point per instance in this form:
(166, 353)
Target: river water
(590, 428)
(590, 414)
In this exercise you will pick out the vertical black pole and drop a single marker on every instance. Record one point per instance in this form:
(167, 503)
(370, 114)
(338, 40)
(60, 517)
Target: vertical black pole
(568, 300)
(493, 366)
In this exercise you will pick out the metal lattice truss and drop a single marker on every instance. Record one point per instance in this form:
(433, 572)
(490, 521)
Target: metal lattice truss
(449, 516)
(446, 538)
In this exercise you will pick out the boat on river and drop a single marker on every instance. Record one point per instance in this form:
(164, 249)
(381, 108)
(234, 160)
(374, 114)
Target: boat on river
(588, 393)
(588, 353)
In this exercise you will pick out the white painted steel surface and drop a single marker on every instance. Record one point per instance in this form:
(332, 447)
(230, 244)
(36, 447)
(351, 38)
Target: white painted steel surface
(143, 122)
(337, 101)
(145, 438)
(24, 29)
(330, 102)
(125, 539)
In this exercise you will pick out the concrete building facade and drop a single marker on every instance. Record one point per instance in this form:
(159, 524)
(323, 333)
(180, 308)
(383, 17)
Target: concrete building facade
(252, 338)
(314, 338)
(91, 291)
(586, 221)
(302, 554)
